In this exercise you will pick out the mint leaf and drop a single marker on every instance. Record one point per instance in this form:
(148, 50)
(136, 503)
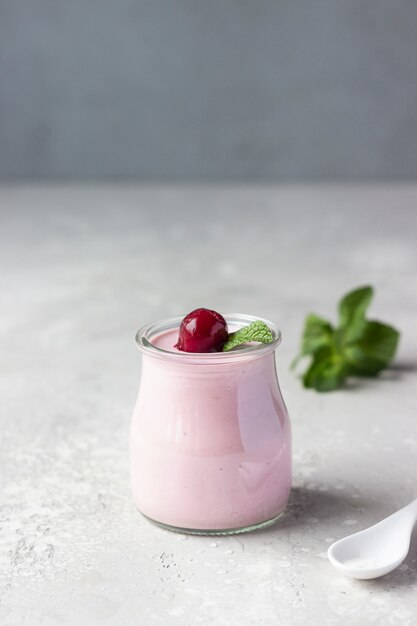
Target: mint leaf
(257, 331)
(374, 349)
(326, 372)
(317, 334)
(357, 347)
(352, 309)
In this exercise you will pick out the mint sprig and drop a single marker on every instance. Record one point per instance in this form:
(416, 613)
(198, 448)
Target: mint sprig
(257, 331)
(356, 347)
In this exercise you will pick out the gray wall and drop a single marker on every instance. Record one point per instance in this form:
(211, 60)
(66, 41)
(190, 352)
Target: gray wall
(200, 89)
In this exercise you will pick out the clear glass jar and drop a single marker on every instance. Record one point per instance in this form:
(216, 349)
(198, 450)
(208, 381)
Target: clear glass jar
(210, 438)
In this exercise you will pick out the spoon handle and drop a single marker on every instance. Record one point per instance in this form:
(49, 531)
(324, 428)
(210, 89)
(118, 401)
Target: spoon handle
(411, 511)
(407, 514)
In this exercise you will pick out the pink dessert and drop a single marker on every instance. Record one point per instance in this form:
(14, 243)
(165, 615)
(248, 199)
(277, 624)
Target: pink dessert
(210, 441)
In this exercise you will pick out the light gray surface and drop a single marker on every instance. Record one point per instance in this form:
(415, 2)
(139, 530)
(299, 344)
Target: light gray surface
(197, 90)
(81, 269)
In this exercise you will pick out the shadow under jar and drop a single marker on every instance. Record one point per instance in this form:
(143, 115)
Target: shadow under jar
(210, 438)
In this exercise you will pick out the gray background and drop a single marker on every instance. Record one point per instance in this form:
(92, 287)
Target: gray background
(190, 89)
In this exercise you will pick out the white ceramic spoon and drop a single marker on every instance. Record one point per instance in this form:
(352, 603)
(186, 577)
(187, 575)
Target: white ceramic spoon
(377, 550)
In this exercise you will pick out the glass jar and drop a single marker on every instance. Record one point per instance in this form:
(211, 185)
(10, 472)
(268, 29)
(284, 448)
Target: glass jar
(210, 438)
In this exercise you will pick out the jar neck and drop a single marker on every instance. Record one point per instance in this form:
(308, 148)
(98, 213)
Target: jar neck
(259, 365)
(146, 341)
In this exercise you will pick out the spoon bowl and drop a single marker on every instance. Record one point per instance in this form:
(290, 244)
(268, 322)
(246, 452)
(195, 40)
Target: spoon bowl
(377, 550)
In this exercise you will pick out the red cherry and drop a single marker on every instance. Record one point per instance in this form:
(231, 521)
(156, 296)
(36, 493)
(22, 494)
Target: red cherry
(202, 330)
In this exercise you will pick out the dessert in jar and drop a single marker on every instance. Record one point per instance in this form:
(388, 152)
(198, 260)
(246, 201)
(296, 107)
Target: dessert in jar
(210, 439)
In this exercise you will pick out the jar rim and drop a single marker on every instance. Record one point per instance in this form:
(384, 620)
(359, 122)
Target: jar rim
(238, 320)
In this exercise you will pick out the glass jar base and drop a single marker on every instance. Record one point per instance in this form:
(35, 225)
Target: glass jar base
(208, 532)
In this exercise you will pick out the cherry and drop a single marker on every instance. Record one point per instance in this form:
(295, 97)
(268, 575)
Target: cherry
(202, 330)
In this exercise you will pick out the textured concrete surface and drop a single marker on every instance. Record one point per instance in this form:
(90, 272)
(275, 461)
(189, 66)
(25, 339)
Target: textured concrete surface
(80, 270)
(193, 90)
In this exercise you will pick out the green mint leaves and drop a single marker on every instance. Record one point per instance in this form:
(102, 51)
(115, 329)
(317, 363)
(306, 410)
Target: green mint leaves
(357, 347)
(257, 331)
